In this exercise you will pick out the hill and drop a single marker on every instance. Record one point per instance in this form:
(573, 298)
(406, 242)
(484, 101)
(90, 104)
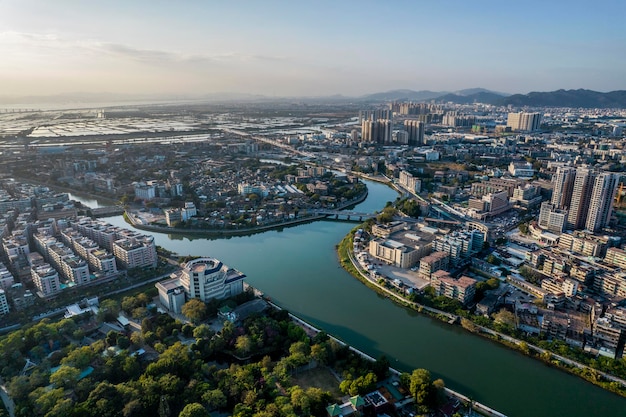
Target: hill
(569, 98)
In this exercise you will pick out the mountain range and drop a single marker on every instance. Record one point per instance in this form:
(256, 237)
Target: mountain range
(559, 98)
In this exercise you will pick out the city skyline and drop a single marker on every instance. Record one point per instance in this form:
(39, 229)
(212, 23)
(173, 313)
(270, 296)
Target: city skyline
(280, 48)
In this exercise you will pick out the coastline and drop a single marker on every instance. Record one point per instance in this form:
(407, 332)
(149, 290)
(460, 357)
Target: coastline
(616, 385)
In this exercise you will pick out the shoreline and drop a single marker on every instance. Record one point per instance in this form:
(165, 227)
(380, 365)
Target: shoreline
(476, 406)
(553, 360)
(221, 233)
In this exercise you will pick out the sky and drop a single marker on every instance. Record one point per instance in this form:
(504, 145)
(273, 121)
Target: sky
(309, 48)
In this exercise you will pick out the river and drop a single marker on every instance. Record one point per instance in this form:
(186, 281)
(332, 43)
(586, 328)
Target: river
(298, 268)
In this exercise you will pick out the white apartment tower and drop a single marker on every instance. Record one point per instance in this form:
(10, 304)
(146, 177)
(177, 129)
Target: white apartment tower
(563, 181)
(601, 201)
(581, 194)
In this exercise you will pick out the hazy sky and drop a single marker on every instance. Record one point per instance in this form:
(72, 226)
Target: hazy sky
(319, 47)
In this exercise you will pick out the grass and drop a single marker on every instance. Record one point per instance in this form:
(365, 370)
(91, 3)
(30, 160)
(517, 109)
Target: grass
(320, 378)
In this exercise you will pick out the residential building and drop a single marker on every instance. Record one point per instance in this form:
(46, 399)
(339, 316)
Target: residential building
(617, 257)
(46, 280)
(415, 129)
(552, 218)
(462, 289)
(583, 243)
(581, 194)
(434, 262)
(145, 192)
(524, 121)
(4, 304)
(135, 251)
(607, 336)
(601, 201)
(408, 181)
(563, 181)
(6, 278)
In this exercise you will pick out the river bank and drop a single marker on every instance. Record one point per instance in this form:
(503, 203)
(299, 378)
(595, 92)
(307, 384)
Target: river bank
(476, 406)
(596, 377)
(131, 219)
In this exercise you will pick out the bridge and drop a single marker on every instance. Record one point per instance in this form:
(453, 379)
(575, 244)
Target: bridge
(345, 215)
(272, 142)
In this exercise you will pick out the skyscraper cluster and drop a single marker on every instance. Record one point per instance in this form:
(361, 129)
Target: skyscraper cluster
(582, 197)
(376, 131)
(376, 126)
(415, 129)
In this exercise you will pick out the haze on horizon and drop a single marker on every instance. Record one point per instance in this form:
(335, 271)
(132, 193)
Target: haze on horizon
(286, 48)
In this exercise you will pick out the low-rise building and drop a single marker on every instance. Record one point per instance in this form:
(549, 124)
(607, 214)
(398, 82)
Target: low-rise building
(434, 262)
(402, 249)
(171, 294)
(46, 280)
(461, 289)
(136, 251)
(208, 278)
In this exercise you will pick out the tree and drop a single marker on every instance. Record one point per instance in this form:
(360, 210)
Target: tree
(65, 377)
(203, 331)
(505, 317)
(195, 310)
(214, 399)
(523, 228)
(194, 410)
(108, 310)
(420, 386)
(492, 259)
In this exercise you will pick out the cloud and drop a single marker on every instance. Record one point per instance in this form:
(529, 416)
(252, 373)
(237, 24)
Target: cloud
(48, 43)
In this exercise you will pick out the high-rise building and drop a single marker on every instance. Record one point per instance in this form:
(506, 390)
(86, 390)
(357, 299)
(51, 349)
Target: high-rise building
(581, 194)
(4, 305)
(415, 129)
(552, 218)
(374, 115)
(563, 181)
(524, 121)
(376, 131)
(601, 201)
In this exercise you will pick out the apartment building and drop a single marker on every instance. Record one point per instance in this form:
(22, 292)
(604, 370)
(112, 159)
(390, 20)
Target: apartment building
(462, 289)
(434, 262)
(46, 280)
(135, 251)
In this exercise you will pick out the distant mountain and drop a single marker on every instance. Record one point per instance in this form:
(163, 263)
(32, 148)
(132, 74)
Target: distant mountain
(486, 97)
(467, 96)
(473, 91)
(402, 95)
(569, 98)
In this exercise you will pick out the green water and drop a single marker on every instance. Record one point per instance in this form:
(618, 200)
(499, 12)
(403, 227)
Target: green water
(298, 268)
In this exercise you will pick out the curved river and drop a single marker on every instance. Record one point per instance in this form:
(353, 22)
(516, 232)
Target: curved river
(298, 268)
